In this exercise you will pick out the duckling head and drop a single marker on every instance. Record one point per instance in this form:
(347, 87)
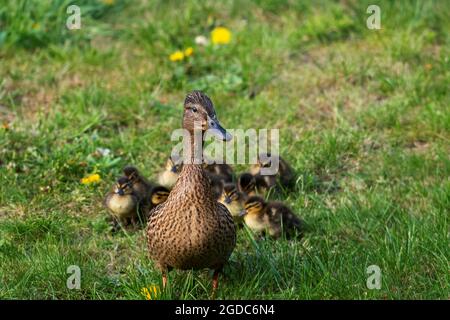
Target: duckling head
(231, 198)
(122, 201)
(254, 207)
(264, 161)
(246, 183)
(131, 173)
(123, 186)
(254, 214)
(173, 166)
(158, 195)
(199, 113)
(172, 170)
(229, 193)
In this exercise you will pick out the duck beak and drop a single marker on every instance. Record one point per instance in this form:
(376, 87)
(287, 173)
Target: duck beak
(217, 130)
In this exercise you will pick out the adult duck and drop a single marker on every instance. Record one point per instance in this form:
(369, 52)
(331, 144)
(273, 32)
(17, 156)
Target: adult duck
(191, 230)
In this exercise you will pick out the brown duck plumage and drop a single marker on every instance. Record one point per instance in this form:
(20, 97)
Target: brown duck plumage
(191, 230)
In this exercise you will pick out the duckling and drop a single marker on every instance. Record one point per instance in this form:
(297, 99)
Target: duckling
(219, 174)
(273, 217)
(285, 172)
(216, 184)
(122, 202)
(141, 186)
(263, 183)
(247, 185)
(191, 230)
(222, 170)
(233, 200)
(169, 176)
(158, 195)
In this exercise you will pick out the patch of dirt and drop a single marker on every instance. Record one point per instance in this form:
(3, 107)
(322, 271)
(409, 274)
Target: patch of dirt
(418, 146)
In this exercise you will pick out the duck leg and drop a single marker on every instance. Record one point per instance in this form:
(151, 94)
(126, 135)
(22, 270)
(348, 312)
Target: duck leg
(164, 280)
(215, 283)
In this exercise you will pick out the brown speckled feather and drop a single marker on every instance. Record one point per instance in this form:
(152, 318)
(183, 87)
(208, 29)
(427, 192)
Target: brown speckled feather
(191, 230)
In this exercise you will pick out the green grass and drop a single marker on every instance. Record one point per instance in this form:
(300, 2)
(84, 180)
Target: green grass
(363, 116)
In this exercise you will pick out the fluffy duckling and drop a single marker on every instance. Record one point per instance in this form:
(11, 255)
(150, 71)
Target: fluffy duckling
(191, 230)
(218, 174)
(273, 218)
(247, 185)
(216, 184)
(122, 202)
(158, 195)
(285, 172)
(169, 176)
(233, 199)
(221, 170)
(141, 186)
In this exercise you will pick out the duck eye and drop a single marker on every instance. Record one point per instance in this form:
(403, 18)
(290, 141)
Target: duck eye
(194, 109)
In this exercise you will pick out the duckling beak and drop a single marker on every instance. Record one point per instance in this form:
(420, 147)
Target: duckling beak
(174, 169)
(120, 192)
(217, 130)
(242, 213)
(227, 200)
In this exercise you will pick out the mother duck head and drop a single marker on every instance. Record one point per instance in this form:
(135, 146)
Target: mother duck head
(199, 114)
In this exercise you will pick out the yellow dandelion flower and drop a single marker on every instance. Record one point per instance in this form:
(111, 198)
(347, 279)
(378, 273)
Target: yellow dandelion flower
(108, 2)
(92, 178)
(220, 35)
(188, 52)
(150, 293)
(176, 56)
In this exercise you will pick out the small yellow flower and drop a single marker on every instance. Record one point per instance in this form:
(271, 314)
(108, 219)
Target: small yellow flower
(220, 35)
(150, 294)
(428, 66)
(36, 26)
(188, 52)
(92, 178)
(108, 2)
(176, 56)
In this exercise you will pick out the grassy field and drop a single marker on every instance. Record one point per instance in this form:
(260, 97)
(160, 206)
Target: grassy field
(363, 115)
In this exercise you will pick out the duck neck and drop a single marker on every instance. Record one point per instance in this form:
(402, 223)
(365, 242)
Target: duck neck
(192, 173)
(194, 147)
